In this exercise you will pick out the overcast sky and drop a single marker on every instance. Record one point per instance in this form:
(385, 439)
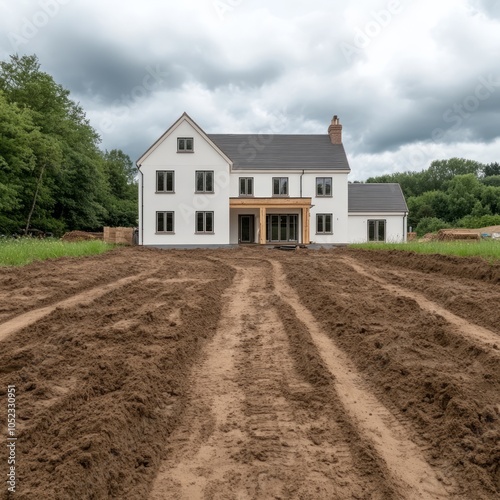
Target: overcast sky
(411, 81)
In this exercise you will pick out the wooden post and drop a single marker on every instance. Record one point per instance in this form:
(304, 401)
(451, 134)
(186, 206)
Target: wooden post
(262, 226)
(305, 226)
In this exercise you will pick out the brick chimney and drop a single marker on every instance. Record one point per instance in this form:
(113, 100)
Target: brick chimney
(335, 131)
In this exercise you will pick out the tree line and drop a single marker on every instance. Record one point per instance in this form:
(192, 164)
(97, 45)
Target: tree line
(53, 175)
(450, 193)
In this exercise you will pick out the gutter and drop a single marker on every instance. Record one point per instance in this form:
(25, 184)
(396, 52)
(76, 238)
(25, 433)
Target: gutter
(302, 212)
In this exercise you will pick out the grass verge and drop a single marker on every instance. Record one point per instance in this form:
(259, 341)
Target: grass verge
(488, 249)
(19, 252)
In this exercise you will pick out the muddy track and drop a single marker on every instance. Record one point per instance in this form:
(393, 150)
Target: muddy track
(465, 287)
(474, 333)
(101, 382)
(80, 299)
(432, 371)
(263, 430)
(253, 374)
(44, 283)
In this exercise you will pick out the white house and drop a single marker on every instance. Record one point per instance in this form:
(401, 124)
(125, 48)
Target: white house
(198, 189)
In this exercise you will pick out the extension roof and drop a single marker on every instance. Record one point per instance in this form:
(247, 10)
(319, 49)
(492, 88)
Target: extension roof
(381, 198)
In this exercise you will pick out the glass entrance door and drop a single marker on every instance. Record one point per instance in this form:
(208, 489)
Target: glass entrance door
(281, 228)
(246, 228)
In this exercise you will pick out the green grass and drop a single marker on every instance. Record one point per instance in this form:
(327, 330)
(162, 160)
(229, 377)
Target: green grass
(488, 249)
(18, 252)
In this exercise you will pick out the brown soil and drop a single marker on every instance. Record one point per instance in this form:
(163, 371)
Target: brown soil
(81, 236)
(253, 374)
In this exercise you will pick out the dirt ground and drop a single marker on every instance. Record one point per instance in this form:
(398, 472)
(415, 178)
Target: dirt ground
(253, 374)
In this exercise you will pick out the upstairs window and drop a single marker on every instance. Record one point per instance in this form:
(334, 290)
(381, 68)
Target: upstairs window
(323, 186)
(280, 186)
(204, 181)
(164, 181)
(185, 145)
(246, 186)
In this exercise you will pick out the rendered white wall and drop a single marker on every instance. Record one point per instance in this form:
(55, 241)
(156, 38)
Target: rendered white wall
(336, 205)
(358, 227)
(185, 202)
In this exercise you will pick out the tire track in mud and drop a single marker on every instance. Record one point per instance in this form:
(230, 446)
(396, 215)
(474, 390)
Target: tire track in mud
(80, 299)
(101, 386)
(471, 331)
(23, 320)
(413, 477)
(468, 295)
(253, 428)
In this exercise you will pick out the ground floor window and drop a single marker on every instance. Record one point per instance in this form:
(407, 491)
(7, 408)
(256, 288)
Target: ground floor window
(282, 228)
(204, 222)
(376, 230)
(164, 222)
(324, 224)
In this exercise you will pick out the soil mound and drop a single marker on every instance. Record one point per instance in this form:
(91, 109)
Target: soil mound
(81, 236)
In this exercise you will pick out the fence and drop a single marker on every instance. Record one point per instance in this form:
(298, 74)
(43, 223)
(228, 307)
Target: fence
(119, 235)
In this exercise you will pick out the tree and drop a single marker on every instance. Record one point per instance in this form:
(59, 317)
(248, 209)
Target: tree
(121, 200)
(441, 172)
(463, 191)
(430, 225)
(492, 180)
(490, 197)
(491, 169)
(55, 176)
(17, 160)
(48, 154)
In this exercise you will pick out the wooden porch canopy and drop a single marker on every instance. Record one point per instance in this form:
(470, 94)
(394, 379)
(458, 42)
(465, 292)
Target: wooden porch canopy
(304, 204)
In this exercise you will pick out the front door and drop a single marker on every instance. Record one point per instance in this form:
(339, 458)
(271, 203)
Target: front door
(246, 228)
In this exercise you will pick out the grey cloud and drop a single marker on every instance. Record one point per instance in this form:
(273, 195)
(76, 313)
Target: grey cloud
(490, 7)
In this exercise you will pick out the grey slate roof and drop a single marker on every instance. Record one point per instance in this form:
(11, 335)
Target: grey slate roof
(290, 152)
(382, 198)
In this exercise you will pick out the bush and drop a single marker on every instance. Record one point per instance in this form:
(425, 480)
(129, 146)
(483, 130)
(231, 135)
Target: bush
(472, 222)
(431, 225)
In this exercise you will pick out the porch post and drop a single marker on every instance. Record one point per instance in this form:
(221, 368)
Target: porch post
(305, 226)
(262, 226)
